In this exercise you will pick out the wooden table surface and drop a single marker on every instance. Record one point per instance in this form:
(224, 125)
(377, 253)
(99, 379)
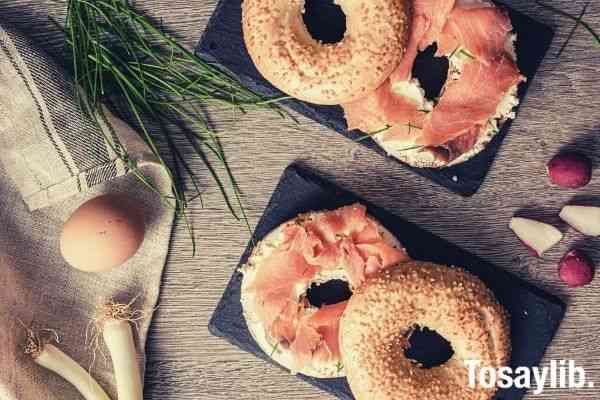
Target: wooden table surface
(561, 109)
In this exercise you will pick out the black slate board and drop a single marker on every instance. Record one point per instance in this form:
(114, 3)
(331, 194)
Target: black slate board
(535, 315)
(223, 42)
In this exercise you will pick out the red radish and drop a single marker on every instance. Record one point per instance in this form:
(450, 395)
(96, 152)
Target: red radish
(575, 269)
(570, 170)
(583, 218)
(537, 236)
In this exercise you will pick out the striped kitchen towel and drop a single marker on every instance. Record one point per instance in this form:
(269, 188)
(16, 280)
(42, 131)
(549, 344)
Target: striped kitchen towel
(52, 159)
(50, 148)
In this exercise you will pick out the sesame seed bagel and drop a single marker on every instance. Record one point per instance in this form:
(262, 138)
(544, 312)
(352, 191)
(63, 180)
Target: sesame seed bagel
(287, 56)
(278, 350)
(383, 312)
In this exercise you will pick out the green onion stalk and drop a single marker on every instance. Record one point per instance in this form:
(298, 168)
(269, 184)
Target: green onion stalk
(118, 55)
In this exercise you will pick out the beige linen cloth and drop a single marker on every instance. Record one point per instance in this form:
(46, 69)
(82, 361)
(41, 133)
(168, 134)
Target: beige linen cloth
(53, 159)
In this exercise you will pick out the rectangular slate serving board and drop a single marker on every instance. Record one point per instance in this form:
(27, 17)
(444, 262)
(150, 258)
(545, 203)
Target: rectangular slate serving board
(535, 315)
(223, 42)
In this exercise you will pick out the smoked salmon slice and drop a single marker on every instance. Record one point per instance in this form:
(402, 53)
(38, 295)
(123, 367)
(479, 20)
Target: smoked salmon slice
(471, 100)
(271, 305)
(318, 335)
(398, 110)
(327, 314)
(274, 286)
(280, 270)
(346, 237)
(364, 114)
(343, 221)
(307, 341)
(463, 143)
(378, 256)
(419, 26)
(285, 324)
(369, 234)
(386, 111)
(467, 103)
(482, 30)
(307, 242)
(435, 13)
(327, 322)
(353, 262)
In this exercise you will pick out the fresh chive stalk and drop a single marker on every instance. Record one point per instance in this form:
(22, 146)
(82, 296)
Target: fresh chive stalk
(119, 55)
(410, 126)
(369, 135)
(578, 19)
(573, 30)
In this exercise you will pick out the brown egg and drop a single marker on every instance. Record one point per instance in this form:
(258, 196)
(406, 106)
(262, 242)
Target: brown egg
(102, 234)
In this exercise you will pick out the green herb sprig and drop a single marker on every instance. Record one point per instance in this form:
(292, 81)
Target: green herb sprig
(578, 22)
(573, 30)
(388, 127)
(274, 349)
(370, 135)
(119, 54)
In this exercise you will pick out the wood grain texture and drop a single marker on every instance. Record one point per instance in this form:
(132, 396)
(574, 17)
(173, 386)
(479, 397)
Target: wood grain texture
(561, 109)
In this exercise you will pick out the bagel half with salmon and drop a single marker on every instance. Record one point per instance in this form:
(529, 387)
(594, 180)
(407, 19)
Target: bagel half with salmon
(344, 244)
(370, 71)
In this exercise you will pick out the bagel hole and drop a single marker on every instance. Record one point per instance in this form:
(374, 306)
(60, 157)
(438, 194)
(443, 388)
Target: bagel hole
(325, 20)
(428, 348)
(331, 292)
(431, 71)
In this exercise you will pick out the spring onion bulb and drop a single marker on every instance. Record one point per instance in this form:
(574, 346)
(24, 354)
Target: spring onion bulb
(115, 324)
(52, 358)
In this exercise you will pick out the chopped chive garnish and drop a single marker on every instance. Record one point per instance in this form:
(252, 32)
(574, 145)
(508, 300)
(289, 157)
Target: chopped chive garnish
(371, 134)
(274, 349)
